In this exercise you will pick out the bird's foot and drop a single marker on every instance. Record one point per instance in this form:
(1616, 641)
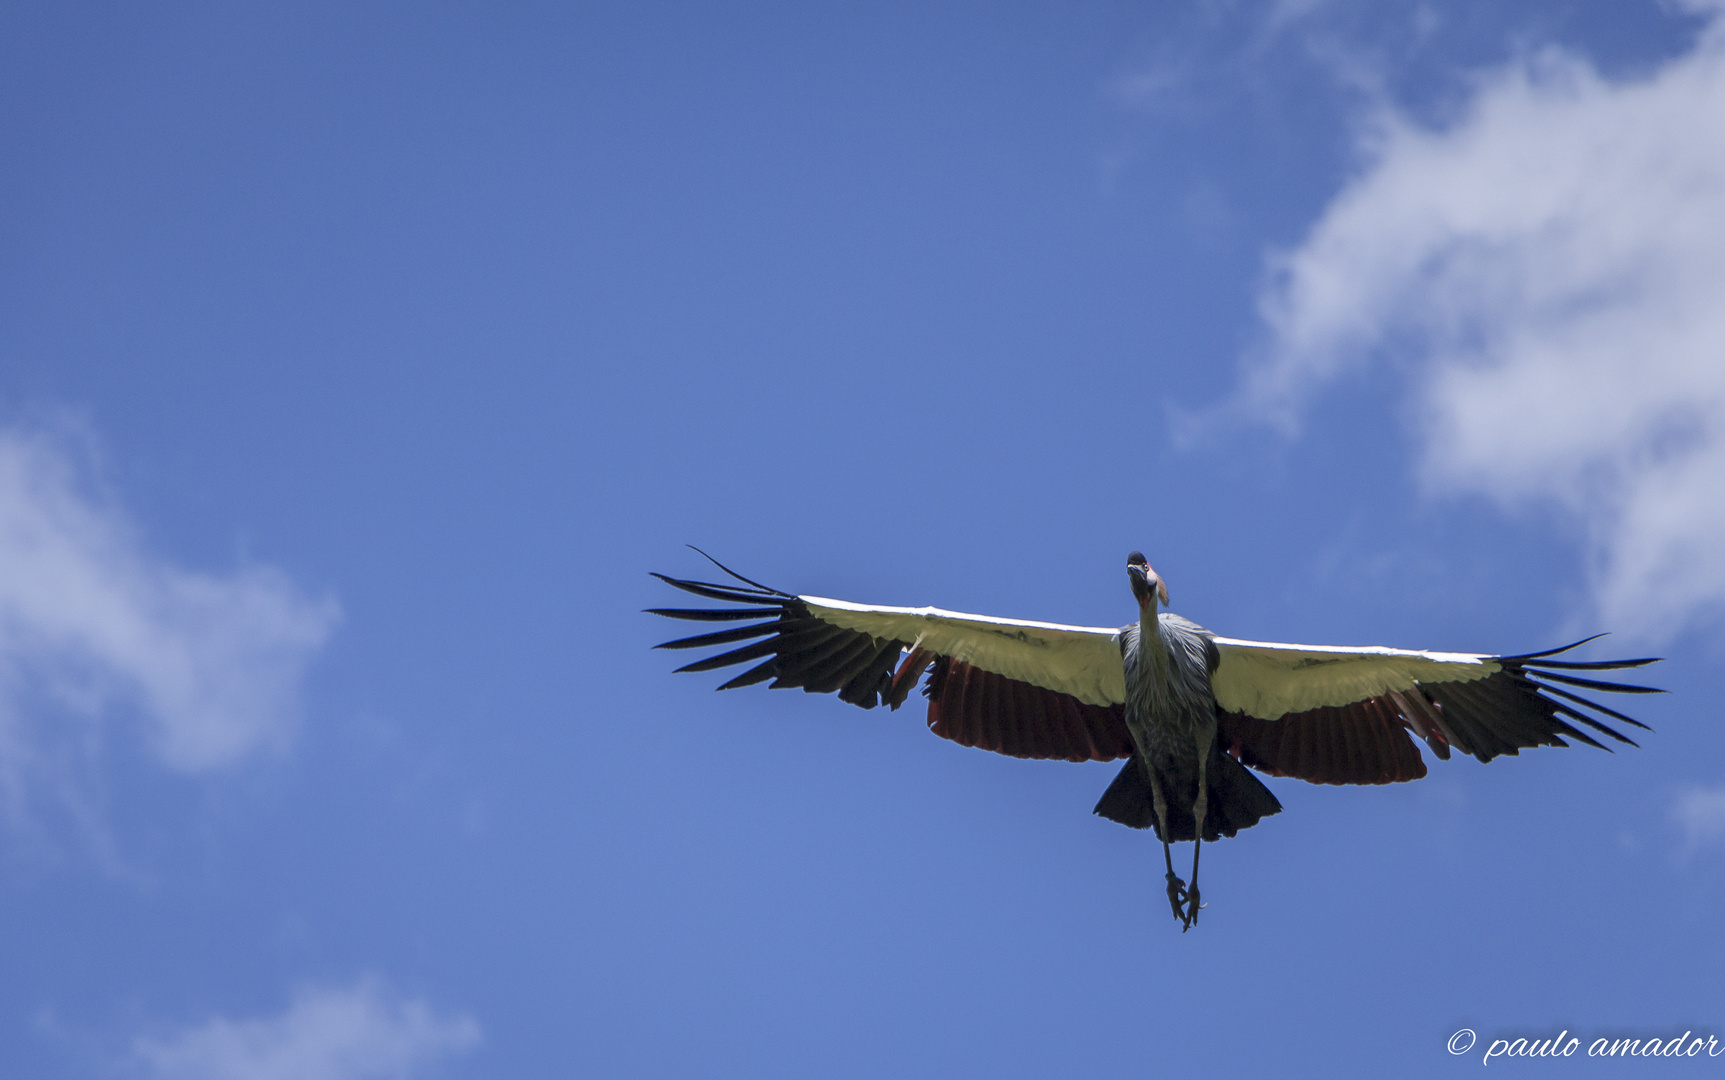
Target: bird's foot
(1190, 915)
(1177, 899)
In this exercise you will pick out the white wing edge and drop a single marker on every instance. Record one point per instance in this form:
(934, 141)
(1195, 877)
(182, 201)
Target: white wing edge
(1361, 650)
(1083, 661)
(934, 612)
(1270, 679)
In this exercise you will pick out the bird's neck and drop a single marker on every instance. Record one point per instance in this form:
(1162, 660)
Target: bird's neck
(1150, 628)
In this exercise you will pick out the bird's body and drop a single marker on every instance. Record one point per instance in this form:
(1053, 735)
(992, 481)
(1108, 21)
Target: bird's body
(1170, 712)
(1190, 710)
(1171, 715)
(1170, 707)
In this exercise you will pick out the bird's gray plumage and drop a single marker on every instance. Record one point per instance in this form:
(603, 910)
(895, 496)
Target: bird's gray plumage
(1168, 696)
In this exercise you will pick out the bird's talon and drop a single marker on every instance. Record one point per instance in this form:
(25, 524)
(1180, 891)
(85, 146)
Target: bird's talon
(1177, 898)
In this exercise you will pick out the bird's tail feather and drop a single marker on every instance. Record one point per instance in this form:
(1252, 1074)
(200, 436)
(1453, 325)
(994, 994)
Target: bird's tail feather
(1128, 799)
(1238, 800)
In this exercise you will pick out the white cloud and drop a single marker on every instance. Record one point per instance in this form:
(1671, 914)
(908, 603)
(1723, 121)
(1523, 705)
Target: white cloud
(355, 1033)
(1549, 270)
(1700, 813)
(93, 625)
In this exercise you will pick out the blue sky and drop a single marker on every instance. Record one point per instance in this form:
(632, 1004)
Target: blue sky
(358, 362)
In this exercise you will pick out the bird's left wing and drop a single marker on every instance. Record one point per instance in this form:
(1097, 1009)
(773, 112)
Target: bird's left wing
(1027, 689)
(1341, 715)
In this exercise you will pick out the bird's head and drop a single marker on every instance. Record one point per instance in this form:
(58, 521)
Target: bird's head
(1146, 586)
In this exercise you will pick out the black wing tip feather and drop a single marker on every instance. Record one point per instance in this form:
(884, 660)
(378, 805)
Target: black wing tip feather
(722, 637)
(715, 614)
(1550, 652)
(755, 600)
(1549, 677)
(1537, 660)
(795, 650)
(1597, 726)
(1527, 704)
(733, 573)
(1598, 684)
(1589, 703)
(722, 586)
(756, 674)
(1593, 665)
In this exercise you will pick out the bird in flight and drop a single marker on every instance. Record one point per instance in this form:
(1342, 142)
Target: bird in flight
(1194, 713)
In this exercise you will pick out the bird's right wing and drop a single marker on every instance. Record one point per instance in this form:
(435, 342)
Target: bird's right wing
(1027, 689)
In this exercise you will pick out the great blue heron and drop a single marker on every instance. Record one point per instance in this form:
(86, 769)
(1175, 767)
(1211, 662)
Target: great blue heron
(1191, 710)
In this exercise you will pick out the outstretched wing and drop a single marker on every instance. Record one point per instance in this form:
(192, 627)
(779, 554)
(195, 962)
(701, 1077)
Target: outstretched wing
(1027, 689)
(1342, 716)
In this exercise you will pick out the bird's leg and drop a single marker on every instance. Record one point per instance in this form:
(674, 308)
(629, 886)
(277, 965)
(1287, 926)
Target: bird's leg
(1193, 902)
(1176, 887)
(1199, 809)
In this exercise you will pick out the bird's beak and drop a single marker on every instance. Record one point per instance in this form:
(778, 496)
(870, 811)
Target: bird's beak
(1140, 582)
(1142, 587)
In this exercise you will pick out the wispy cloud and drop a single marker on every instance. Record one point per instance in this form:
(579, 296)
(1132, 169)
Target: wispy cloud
(1700, 813)
(355, 1033)
(1548, 271)
(93, 627)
